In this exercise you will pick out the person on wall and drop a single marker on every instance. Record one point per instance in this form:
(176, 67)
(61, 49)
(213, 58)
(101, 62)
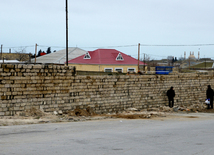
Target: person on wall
(171, 95)
(209, 94)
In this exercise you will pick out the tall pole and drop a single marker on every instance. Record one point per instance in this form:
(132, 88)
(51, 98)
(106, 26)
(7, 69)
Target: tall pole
(66, 10)
(189, 62)
(138, 58)
(144, 60)
(35, 53)
(1, 51)
(205, 62)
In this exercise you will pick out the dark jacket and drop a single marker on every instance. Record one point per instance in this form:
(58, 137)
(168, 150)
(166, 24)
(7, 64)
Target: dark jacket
(209, 93)
(171, 93)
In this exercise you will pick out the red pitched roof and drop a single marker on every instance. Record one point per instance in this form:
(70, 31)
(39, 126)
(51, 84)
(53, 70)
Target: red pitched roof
(105, 56)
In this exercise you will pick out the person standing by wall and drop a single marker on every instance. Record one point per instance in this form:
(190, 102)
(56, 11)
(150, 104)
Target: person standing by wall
(209, 94)
(171, 95)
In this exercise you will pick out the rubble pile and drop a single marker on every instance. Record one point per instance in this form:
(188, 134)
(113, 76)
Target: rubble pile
(33, 115)
(32, 112)
(133, 113)
(200, 107)
(130, 113)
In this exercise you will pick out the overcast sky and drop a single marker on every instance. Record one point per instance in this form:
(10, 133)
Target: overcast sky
(110, 24)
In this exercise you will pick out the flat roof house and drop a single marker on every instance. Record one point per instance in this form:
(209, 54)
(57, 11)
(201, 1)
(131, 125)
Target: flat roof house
(59, 57)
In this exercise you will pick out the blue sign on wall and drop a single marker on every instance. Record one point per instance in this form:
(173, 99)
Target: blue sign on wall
(163, 69)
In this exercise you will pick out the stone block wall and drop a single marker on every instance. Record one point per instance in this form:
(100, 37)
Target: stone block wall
(52, 88)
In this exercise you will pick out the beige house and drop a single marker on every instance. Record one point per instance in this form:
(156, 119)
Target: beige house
(105, 60)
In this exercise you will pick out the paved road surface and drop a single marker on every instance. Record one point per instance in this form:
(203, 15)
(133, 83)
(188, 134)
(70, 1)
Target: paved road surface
(191, 136)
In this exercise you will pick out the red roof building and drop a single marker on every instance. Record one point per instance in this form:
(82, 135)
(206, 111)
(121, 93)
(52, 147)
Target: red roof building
(108, 60)
(42, 53)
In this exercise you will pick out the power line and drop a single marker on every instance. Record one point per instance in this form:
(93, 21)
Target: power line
(51, 46)
(178, 45)
(20, 46)
(112, 46)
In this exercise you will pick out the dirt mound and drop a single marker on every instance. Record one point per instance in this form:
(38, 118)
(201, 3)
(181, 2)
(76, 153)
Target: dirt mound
(33, 112)
(137, 114)
(197, 107)
(208, 110)
(82, 112)
(131, 116)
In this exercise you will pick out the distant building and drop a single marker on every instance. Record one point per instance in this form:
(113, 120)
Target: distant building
(205, 59)
(191, 56)
(43, 53)
(59, 57)
(10, 61)
(15, 56)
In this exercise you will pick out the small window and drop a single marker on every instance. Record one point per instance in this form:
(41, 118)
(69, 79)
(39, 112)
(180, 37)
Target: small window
(87, 56)
(108, 69)
(119, 57)
(119, 70)
(131, 69)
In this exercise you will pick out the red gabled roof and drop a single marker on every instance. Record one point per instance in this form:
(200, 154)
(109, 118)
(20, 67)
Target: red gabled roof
(105, 56)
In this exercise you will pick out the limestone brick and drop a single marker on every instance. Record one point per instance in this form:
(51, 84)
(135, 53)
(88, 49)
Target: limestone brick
(55, 88)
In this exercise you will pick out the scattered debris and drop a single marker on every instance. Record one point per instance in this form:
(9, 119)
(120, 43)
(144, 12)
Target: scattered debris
(131, 109)
(175, 109)
(60, 112)
(34, 115)
(34, 112)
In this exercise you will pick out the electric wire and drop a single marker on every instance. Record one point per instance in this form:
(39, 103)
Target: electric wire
(178, 45)
(119, 46)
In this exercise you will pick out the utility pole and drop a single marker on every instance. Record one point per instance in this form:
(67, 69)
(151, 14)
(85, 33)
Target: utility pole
(29, 58)
(138, 58)
(189, 62)
(66, 10)
(35, 53)
(144, 67)
(1, 51)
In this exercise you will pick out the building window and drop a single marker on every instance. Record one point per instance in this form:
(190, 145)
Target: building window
(119, 70)
(87, 56)
(119, 57)
(108, 69)
(131, 69)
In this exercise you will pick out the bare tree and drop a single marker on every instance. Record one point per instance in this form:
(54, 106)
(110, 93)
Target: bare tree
(170, 60)
(21, 54)
(145, 58)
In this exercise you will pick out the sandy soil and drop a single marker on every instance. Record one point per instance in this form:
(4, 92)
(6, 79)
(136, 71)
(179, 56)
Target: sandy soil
(34, 116)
